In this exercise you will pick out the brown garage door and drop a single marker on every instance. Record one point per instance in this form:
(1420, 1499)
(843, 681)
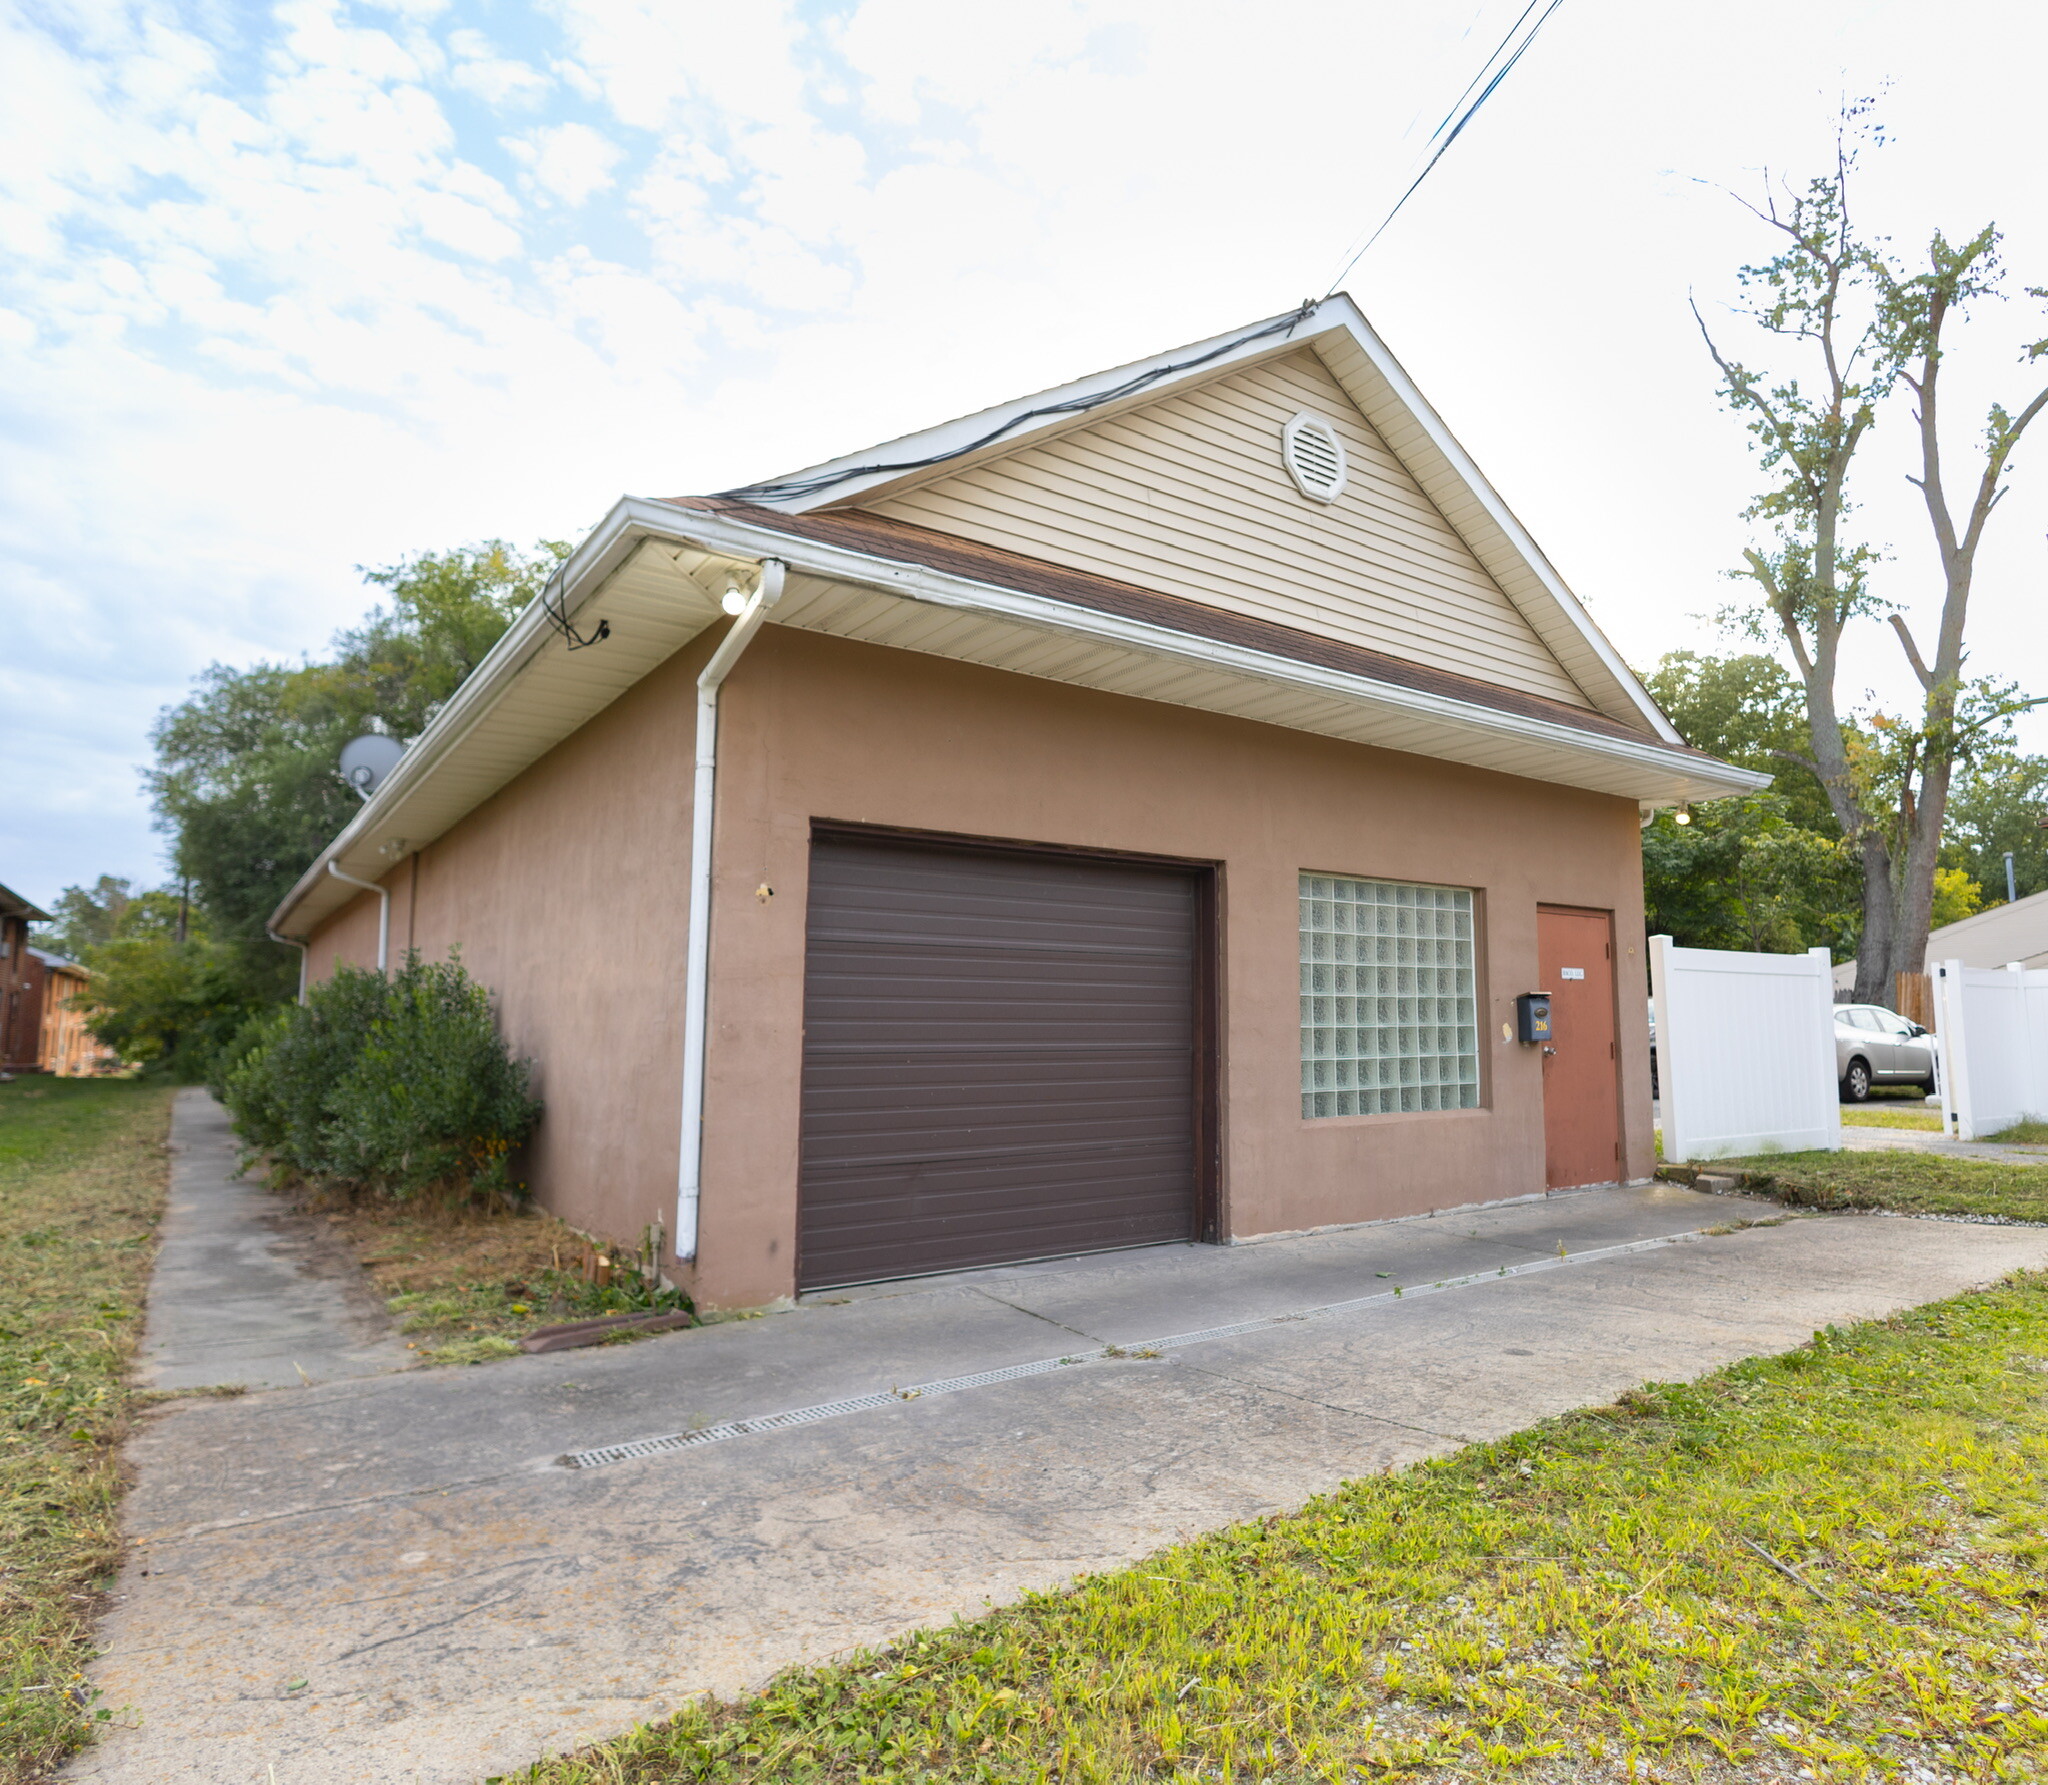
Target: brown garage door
(999, 1058)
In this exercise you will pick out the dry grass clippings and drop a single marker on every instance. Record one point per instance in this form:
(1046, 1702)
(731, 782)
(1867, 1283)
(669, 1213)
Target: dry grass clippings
(467, 1282)
(83, 1171)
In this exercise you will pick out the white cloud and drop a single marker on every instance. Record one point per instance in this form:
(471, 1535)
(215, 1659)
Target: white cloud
(280, 302)
(497, 80)
(571, 163)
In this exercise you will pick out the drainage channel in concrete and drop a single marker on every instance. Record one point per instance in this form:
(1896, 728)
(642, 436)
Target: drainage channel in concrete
(391, 1576)
(729, 1429)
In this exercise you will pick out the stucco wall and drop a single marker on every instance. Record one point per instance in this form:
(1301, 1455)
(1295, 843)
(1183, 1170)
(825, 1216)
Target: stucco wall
(567, 893)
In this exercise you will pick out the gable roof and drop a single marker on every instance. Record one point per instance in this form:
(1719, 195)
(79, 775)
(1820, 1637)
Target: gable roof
(655, 571)
(1370, 376)
(12, 904)
(1191, 495)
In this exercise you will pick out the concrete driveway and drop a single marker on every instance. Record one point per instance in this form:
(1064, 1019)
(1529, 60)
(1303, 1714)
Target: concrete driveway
(396, 1578)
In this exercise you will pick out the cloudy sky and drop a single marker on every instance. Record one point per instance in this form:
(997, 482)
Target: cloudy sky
(288, 290)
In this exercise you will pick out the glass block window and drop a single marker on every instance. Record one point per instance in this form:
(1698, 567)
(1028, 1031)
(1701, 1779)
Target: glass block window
(1389, 999)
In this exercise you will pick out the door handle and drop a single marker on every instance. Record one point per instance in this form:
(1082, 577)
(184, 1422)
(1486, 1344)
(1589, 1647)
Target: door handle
(1550, 1050)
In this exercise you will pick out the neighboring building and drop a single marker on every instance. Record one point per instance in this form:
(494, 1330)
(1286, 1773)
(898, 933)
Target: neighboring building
(1994, 938)
(1136, 815)
(68, 1047)
(21, 985)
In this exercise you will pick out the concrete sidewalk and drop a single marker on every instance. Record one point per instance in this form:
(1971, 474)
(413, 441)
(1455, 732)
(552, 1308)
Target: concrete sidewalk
(243, 1291)
(1919, 1140)
(395, 1577)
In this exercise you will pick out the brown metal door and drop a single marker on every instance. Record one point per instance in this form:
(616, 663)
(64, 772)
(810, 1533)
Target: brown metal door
(1581, 1098)
(1000, 1058)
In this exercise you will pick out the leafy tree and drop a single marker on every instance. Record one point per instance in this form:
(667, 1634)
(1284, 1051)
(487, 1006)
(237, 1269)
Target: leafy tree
(1748, 710)
(84, 917)
(2001, 805)
(1956, 896)
(164, 992)
(245, 781)
(246, 777)
(1868, 327)
(1743, 875)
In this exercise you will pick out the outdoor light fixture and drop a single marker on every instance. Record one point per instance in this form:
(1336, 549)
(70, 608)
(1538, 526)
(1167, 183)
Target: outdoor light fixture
(1682, 816)
(735, 602)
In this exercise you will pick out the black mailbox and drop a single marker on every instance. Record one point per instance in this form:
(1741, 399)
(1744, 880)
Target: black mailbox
(1532, 1016)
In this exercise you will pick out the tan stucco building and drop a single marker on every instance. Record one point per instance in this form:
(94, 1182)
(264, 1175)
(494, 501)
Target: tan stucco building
(1132, 814)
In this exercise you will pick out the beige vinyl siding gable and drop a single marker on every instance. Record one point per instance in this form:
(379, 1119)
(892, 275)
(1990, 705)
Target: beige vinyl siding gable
(1188, 496)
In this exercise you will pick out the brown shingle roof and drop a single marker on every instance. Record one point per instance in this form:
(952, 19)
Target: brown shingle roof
(882, 536)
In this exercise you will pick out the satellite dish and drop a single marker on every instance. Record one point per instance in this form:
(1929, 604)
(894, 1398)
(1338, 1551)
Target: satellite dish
(367, 760)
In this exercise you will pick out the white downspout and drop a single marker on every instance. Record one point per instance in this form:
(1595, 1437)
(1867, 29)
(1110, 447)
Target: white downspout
(383, 912)
(287, 942)
(697, 981)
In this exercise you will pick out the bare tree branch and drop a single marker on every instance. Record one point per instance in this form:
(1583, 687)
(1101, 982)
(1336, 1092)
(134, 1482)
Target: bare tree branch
(1800, 758)
(1920, 669)
(1988, 492)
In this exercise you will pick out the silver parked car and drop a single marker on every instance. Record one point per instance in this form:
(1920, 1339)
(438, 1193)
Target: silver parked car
(1875, 1046)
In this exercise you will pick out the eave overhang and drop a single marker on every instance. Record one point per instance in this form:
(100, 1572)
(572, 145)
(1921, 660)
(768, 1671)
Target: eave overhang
(655, 571)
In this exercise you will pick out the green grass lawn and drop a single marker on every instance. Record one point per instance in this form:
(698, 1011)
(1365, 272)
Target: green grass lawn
(1881, 1115)
(1829, 1565)
(1908, 1183)
(82, 1176)
(2023, 1133)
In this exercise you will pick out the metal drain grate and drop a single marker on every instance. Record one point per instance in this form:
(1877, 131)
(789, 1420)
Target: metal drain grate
(803, 1416)
(949, 1385)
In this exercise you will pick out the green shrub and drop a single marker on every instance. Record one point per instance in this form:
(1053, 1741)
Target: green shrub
(256, 1031)
(394, 1085)
(433, 1096)
(282, 1095)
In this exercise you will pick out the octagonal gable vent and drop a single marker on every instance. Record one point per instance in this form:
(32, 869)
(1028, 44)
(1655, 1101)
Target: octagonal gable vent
(1314, 457)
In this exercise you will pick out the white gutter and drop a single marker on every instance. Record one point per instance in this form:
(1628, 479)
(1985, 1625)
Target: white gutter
(726, 535)
(634, 519)
(697, 983)
(383, 918)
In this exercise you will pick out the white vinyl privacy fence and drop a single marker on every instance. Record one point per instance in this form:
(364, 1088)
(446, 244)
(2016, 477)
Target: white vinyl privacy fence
(1992, 1027)
(1745, 1051)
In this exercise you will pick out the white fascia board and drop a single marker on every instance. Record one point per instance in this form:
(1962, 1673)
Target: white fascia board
(737, 538)
(635, 519)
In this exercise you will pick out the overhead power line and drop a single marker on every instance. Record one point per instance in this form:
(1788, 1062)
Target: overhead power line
(1495, 69)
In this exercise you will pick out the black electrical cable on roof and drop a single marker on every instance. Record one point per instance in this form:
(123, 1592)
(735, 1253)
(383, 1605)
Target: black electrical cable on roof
(1463, 118)
(788, 488)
